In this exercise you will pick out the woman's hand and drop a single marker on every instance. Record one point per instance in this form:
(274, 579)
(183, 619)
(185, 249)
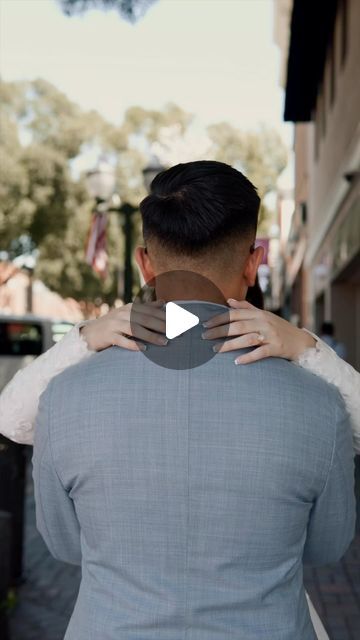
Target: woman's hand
(147, 323)
(253, 327)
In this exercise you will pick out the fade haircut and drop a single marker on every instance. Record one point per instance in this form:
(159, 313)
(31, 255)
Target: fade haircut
(197, 206)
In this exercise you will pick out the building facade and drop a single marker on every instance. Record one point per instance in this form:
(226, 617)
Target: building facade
(320, 46)
(20, 295)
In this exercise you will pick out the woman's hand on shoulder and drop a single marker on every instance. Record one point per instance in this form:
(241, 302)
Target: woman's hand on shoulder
(144, 322)
(246, 326)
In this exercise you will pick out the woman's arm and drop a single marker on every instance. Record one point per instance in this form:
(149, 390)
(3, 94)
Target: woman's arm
(274, 336)
(324, 362)
(19, 400)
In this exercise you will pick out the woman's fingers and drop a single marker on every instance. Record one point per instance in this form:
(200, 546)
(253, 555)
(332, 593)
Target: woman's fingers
(240, 304)
(235, 328)
(126, 321)
(148, 321)
(230, 316)
(222, 318)
(280, 338)
(119, 340)
(151, 309)
(242, 342)
(141, 333)
(149, 316)
(258, 354)
(141, 321)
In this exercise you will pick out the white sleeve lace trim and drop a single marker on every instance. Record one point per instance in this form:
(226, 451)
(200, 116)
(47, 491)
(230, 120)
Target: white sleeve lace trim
(19, 400)
(324, 362)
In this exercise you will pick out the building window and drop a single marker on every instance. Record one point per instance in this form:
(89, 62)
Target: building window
(344, 11)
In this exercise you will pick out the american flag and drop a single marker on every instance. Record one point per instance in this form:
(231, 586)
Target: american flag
(96, 245)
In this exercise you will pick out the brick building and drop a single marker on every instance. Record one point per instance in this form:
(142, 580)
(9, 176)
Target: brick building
(320, 50)
(20, 294)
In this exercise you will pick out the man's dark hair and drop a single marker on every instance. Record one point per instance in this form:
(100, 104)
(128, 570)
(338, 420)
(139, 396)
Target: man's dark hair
(197, 205)
(327, 329)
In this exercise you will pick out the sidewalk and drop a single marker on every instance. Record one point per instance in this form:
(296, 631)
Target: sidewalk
(335, 593)
(335, 589)
(46, 599)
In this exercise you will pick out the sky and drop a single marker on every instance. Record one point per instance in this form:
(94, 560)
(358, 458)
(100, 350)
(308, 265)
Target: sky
(214, 58)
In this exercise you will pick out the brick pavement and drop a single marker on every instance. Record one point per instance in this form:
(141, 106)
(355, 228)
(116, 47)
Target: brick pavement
(335, 593)
(46, 599)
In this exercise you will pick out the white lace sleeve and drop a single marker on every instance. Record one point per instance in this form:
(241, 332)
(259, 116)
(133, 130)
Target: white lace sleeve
(324, 362)
(19, 400)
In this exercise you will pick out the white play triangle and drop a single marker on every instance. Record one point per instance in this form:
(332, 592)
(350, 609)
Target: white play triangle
(178, 320)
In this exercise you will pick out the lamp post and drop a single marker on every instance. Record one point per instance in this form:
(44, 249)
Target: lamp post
(27, 262)
(151, 170)
(101, 183)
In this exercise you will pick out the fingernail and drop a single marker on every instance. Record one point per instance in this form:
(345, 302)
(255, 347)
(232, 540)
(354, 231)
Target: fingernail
(231, 300)
(216, 347)
(163, 341)
(205, 324)
(142, 347)
(237, 361)
(205, 335)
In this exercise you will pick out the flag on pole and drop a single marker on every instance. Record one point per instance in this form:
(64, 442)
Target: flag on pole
(96, 245)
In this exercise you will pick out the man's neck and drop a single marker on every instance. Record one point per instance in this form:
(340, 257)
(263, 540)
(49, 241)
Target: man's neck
(189, 294)
(190, 286)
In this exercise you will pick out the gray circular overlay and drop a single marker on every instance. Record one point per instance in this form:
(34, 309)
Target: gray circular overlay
(203, 299)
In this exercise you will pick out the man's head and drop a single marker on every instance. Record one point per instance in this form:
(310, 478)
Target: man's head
(202, 217)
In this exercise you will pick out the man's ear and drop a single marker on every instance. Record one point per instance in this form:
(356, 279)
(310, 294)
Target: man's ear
(144, 264)
(252, 264)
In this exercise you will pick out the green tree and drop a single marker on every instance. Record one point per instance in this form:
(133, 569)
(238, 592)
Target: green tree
(15, 209)
(260, 155)
(41, 205)
(45, 206)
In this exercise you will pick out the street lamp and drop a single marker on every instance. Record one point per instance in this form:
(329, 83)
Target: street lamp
(151, 170)
(101, 183)
(28, 263)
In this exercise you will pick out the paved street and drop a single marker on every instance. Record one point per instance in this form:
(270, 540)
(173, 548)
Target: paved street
(46, 599)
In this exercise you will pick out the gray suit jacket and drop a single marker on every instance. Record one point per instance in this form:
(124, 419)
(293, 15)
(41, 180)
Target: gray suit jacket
(191, 497)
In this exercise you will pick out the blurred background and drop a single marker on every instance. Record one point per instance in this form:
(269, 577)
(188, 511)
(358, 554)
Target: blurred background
(98, 96)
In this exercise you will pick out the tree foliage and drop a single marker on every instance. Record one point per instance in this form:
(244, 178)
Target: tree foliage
(260, 155)
(131, 10)
(44, 204)
(41, 204)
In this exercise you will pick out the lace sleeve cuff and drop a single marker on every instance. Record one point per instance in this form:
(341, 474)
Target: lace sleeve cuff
(324, 362)
(78, 340)
(310, 356)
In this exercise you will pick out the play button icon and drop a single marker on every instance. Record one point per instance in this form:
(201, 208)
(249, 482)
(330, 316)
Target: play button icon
(189, 300)
(178, 320)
